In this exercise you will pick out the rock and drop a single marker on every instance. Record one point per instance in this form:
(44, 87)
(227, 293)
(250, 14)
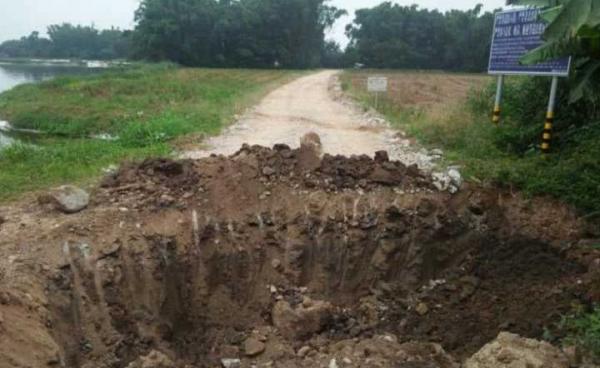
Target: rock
(422, 309)
(166, 200)
(333, 363)
(231, 363)
(382, 156)
(301, 322)
(437, 152)
(268, 171)
(155, 359)
(455, 177)
(311, 141)
(303, 351)
(441, 181)
(309, 155)
(276, 264)
(253, 347)
(512, 351)
(68, 199)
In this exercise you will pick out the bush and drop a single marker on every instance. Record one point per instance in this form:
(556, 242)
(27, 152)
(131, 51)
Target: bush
(572, 172)
(583, 330)
(525, 102)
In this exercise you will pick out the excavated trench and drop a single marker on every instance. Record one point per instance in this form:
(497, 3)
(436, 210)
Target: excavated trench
(280, 259)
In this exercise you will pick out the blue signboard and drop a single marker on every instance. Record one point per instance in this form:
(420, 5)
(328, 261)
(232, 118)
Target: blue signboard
(517, 32)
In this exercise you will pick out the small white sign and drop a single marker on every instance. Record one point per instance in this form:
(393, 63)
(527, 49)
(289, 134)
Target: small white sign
(377, 84)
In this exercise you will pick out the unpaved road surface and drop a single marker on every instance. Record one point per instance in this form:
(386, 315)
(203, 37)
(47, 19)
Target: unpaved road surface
(313, 104)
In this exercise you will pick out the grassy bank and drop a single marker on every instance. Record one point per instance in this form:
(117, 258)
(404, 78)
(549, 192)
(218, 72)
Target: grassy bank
(147, 108)
(460, 123)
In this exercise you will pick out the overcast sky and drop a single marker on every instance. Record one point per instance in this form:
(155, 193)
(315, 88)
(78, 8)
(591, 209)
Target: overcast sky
(21, 17)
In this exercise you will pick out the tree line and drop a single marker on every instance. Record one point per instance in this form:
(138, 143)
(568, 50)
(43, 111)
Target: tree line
(70, 41)
(276, 33)
(394, 36)
(227, 33)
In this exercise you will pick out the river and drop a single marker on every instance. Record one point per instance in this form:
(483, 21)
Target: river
(14, 74)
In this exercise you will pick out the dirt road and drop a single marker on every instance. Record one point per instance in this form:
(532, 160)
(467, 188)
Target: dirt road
(313, 103)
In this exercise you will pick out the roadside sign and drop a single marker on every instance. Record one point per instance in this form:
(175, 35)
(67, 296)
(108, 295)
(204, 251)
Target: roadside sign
(516, 32)
(377, 84)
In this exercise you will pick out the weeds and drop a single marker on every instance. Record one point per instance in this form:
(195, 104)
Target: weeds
(583, 330)
(507, 155)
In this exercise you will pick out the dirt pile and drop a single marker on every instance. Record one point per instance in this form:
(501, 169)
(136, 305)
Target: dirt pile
(510, 350)
(276, 257)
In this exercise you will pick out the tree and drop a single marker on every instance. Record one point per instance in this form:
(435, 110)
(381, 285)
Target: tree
(573, 30)
(243, 33)
(68, 41)
(394, 36)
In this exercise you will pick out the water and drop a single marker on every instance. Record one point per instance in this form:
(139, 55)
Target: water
(14, 74)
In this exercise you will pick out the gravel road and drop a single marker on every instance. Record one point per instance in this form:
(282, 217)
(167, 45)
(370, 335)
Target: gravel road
(314, 103)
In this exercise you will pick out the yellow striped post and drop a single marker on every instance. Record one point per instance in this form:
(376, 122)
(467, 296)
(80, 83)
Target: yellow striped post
(549, 124)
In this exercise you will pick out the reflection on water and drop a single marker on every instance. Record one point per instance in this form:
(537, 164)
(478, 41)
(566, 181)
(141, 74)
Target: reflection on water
(5, 140)
(12, 75)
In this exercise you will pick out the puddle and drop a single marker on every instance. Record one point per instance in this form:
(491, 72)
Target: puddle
(5, 140)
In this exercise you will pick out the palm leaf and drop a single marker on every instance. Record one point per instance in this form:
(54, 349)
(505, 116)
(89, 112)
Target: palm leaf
(551, 14)
(573, 16)
(548, 51)
(584, 79)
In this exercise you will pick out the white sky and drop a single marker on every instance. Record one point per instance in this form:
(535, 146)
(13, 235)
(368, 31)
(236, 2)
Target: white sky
(20, 17)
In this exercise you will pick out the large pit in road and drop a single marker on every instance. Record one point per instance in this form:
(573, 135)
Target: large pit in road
(279, 258)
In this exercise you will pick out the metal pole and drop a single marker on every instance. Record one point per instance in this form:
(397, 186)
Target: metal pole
(548, 125)
(498, 104)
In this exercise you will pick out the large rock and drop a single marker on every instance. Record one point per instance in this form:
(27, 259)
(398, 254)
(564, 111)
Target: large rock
(512, 351)
(303, 321)
(253, 347)
(68, 199)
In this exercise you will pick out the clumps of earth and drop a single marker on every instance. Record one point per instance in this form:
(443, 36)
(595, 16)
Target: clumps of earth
(280, 257)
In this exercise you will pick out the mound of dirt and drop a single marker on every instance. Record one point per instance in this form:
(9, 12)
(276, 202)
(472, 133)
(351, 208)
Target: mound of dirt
(278, 257)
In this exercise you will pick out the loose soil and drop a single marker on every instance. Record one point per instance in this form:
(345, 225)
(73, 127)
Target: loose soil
(280, 258)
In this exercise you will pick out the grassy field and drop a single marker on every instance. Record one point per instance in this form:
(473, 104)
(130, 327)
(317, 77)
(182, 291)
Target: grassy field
(146, 107)
(453, 112)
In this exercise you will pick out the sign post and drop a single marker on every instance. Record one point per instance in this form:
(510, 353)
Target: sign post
(498, 103)
(377, 85)
(517, 32)
(547, 137)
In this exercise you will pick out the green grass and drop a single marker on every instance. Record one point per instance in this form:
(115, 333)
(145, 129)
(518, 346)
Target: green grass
(465, 132)
(583, 330)
(146, 107)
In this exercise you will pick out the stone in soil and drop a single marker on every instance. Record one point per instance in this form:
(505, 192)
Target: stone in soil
(67, 198)
(301, 322)
(253, 347)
